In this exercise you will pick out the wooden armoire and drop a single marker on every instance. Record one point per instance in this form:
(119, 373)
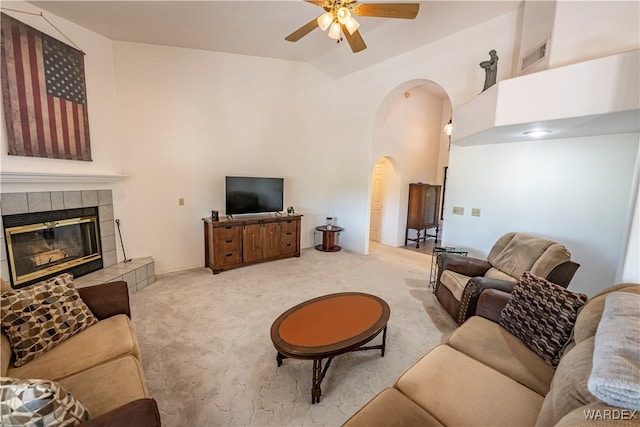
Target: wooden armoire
(423, 211)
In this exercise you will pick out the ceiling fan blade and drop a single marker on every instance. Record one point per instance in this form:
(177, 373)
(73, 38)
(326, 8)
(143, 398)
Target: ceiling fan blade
(316, 2)
(302, 31)
(355, 40)
(387, 10)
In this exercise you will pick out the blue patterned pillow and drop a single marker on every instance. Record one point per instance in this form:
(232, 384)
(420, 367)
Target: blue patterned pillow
(542, 314)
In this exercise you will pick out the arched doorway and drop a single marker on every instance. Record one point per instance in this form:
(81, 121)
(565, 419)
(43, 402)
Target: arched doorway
(408, 145)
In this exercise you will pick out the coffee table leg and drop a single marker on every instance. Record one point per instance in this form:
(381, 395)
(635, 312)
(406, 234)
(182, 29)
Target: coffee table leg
(317, 379)
(384, 340)
(279, 358)
(318, 375)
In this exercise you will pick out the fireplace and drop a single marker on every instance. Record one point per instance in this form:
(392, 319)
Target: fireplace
(43, 244)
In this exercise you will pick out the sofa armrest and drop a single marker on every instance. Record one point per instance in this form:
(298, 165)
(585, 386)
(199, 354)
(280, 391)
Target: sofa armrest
(563, 273)
(468, 266)
(491, 303)
(475, 287)
(107, 300)
(139, 413)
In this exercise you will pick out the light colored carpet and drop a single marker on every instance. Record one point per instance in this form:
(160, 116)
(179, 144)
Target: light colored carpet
(208, 355)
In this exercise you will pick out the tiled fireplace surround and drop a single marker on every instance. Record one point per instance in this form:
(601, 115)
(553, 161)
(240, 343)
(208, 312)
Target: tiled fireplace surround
(138, 273)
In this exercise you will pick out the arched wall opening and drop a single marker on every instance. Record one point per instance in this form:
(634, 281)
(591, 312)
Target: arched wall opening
(408, 145)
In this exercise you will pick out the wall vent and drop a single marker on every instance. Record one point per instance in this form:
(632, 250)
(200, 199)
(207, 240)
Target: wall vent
(534, 56)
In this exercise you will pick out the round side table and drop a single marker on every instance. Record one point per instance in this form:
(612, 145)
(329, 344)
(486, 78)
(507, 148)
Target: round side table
(329, 238)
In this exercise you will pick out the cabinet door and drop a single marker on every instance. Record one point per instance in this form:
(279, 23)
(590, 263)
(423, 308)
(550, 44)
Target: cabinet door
(416, 210)
(252, 245)
(270, 240)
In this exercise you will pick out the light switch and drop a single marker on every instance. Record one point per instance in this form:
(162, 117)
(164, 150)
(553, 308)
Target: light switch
(475, 211)
(457, 210)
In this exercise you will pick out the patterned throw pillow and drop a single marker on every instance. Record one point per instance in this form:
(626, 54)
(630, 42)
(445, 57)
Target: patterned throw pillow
(38, 403)
(41, 316)
(542, 315)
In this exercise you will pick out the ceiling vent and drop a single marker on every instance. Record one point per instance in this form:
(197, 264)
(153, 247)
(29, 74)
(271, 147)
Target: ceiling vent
(534, 56)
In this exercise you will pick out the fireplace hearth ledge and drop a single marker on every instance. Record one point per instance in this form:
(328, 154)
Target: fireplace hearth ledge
(138, 273)
(48, 178)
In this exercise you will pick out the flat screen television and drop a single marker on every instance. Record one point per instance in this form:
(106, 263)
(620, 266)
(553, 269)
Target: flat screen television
(247, 195)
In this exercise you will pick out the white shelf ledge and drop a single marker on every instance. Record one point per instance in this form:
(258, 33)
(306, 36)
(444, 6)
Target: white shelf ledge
(596, 97)
(48, 178)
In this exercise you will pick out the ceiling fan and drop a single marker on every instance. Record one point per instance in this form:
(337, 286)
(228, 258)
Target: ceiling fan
(338, 18)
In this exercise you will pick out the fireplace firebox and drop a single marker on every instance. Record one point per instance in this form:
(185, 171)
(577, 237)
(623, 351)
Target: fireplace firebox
(43, 244)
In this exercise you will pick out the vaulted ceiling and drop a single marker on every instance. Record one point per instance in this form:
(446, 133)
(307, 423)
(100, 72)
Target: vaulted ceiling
(258, 28)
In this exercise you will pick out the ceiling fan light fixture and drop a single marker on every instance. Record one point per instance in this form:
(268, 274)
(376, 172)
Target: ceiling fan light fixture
(325, 20)
(343, 14)
(334, 31)
(352, 25)
(338, 18)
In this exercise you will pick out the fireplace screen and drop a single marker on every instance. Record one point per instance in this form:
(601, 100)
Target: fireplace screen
(44, 249)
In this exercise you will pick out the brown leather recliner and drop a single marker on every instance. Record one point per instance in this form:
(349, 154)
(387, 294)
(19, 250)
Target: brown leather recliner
(462, 279)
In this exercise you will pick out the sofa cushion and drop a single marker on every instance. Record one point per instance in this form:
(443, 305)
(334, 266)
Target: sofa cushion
(491, 344)
(516, 253)
(106, 340)
(590, 315)
(542, 315)
(391, 408)
(459, 390)
(41, 316)
(455, 282)
(109, 385)
(494, 273)
(39, 403)
(569, 386)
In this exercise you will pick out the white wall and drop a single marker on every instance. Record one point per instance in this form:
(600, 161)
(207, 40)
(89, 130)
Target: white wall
(629, 270)
(575, 191)
(190, 117)
(586, 30)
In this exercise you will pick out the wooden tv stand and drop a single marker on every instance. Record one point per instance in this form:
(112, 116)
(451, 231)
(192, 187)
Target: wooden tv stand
(232, 243)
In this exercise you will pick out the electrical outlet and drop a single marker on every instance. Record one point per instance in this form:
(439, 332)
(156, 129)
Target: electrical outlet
(457, 210)
(475, 211)
(180, 201)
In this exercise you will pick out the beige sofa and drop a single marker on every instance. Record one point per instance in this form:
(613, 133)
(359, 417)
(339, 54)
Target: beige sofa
(100, 366)
(483, 376)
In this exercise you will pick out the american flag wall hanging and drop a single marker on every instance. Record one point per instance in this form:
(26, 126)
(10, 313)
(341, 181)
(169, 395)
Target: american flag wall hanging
(44, 94)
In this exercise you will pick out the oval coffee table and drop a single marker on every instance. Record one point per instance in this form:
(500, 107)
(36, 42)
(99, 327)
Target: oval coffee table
(327, 326)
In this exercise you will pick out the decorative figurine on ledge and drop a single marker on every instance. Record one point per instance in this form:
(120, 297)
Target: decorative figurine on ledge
(490, 69)
(290, 210)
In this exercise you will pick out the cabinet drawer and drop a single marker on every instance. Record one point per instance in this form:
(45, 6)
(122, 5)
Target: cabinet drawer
(228, 232)
(287, 248)
(288, 238)
(288, 226)
(228, 258)
(224, 246)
